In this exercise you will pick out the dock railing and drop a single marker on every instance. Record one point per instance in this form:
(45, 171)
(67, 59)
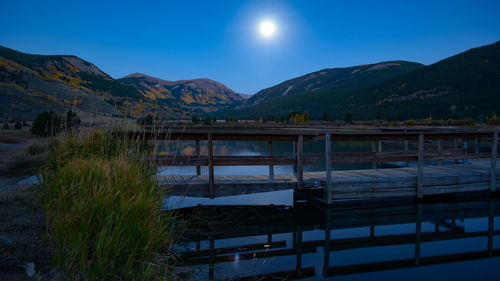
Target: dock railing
(431, 145)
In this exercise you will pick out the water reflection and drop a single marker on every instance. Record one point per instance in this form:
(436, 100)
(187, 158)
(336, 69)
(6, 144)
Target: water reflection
(448, 238)
(250, 148)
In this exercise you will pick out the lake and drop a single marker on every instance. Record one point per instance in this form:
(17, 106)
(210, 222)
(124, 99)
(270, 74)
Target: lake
(278, 237)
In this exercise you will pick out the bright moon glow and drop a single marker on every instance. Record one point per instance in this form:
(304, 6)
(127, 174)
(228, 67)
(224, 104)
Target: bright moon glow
(267, 29)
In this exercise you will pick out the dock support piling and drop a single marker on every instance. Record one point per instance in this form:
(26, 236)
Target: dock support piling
(300, 162)
(271, 167)
(211, 190)
(198, 168)
(491, 226)
(406, 148)
(418, 232)
(298, 265)
(328, 165)
(294, 156)
(374, 149)
(420, 172)
(494, 148)
(327, 243)
(440, 148)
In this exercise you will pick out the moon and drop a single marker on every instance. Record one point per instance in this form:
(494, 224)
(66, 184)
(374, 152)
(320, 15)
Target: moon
(267, 29)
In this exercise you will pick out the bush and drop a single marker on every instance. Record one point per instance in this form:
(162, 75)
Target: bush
(72, 121)
(46, 124)
(493, 121)
(348, 117)
(411, 122)
(145, 121)
(18, 125)
(394, 123)
(6, 126)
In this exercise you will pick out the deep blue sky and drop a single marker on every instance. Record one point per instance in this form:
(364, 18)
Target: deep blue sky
(218, 39)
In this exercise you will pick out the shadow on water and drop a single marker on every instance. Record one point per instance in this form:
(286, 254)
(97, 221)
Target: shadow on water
(442, 239)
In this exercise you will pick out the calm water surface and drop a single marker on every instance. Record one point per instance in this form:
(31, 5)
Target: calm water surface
(279, 238)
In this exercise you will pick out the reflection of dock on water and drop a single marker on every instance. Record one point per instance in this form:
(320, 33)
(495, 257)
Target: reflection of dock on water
(471, 168)
(446, 217)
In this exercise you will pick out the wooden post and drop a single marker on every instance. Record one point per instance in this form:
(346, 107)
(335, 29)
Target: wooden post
(328, 164)
(491, 226)
(494, 147)
(211, 190)
(476, 145)
(300, 162)
(374, 149)
(466, 146)
(420, 172)
(294, 156)
(440, 147)
(298, 265)
(198, 168)
(211, 260)
(271, 167)
(406, 149)
(327, 245)
(455, 146)
(418, 233)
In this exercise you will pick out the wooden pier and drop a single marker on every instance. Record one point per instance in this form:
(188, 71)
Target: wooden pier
(472, 169)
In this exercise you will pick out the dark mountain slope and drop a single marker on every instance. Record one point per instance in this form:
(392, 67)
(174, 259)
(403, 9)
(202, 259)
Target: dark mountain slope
(467, 84)
(334, 79)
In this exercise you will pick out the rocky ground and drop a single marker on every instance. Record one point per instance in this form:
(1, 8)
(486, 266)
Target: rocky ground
(24, 250)
(25, 253)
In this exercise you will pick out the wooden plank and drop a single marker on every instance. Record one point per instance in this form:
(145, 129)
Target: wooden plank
(420, 173)
(210, 148)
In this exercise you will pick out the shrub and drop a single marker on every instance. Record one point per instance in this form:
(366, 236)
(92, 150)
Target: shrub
(348, 117)
(145, 121)
(395, 123)
(6, 126)
(18, 125)
(411, 122)
(72, 121)
(46, 124)
(493, 121)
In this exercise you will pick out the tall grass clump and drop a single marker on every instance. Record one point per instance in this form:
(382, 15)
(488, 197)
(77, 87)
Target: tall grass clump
(104, 210)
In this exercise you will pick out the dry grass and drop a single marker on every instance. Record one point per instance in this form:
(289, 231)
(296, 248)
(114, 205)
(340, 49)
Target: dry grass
(104, 210)
(23, 159)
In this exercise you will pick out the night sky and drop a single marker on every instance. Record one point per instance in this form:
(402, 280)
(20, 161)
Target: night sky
(221, 40)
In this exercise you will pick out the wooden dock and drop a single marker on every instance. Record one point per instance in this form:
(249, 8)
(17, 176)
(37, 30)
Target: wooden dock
(478, 170)
(348, 184)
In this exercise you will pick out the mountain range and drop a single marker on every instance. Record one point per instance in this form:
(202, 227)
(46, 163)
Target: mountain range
(464, 85)
(467, 84)
(30, 84)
